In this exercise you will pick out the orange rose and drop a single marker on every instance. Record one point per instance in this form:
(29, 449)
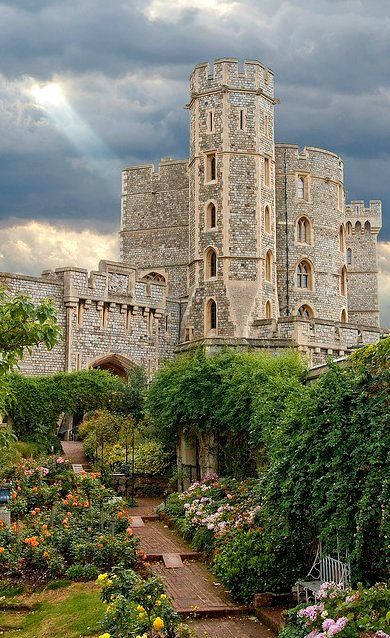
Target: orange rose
(33, 513)
(120, 515)
(35, 489)
(129, 531)
(45, 554)
(2, 550)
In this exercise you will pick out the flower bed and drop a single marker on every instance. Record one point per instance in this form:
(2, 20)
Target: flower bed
(138, 607)
(350, 614)
(223, 519)
(63, 525)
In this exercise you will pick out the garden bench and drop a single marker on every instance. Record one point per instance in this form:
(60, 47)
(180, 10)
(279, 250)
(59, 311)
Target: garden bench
(325, 569)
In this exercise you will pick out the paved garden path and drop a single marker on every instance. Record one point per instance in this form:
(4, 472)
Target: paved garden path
(192, 586)
(74, 452)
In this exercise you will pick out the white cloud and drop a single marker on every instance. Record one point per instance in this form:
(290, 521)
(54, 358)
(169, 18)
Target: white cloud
(384, 281)
(171, 11)
(34, 246)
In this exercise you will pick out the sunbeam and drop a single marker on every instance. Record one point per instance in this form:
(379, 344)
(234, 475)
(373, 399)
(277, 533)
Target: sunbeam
(97, 156)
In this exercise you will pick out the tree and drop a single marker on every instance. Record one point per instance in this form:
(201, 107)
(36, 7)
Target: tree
(23, 325)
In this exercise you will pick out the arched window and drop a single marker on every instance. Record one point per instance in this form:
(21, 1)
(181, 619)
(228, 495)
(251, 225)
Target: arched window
(211, 216)
(343, 316)
(367, 227)
(211, 167)
(304, 275)
(341, 239)
(301, 191)
(358, 227)
(211, 315)
(211, 263)
(155, 276)
(303, 231)
(268, 266)
(268, 310)
(349, 229)
(305, 311)
(267, 219)
(349, 256)
(343, 282)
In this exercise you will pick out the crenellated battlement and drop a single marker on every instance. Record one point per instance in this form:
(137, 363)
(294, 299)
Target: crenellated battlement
(226, 73)
(294, 152)
(171, 173)
(357, 211)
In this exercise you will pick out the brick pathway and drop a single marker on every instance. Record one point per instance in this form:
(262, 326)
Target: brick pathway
(192, 587)
(74, 451)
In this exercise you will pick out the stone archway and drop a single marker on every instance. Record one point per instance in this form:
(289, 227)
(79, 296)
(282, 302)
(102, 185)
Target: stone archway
(117, 364)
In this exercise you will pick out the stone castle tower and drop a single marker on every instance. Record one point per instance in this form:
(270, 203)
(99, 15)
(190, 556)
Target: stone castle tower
(247, 243)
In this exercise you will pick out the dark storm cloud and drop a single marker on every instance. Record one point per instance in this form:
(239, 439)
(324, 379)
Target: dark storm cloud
(124, 66)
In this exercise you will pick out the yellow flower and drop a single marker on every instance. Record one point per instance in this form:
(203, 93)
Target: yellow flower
(100, 578)
(140, 608)
(106, 635)
(158, 603)
(109, 582)
(163, 596)
(149, 597)
(158, 624)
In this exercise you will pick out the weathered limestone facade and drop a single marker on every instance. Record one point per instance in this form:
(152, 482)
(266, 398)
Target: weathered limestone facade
(246, 244)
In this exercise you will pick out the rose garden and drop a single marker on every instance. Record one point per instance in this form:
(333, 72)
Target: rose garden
(300, 483)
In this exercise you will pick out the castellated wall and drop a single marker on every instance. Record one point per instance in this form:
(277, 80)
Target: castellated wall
(322, 205)
(104, 313)
(362, 228)
(232, 119)
(39, 288)
(154, 221)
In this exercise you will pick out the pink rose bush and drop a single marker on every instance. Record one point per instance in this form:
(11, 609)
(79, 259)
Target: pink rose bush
(348, 613)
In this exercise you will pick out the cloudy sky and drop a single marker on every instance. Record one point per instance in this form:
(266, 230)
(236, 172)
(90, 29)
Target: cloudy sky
(123, 68)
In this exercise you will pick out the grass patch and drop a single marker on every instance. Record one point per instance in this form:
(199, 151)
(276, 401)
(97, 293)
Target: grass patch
(58, 584)
(64, 613)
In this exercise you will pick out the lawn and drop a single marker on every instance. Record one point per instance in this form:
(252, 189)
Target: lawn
(69, 612)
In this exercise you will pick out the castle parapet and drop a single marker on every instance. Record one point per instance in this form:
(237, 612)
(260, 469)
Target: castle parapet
(225, 72)
(357, 211)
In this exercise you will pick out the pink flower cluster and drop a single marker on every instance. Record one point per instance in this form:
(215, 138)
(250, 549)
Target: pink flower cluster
(312, 612)
(329, 590)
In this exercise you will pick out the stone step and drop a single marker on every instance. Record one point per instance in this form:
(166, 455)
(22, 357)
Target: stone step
(213, 612)
(157, 557)
(172, 560)
(271, 617)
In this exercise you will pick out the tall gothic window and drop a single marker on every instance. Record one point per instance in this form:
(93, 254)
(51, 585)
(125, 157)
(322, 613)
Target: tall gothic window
(304, 275)
(267, 219)
(268, 266)
(341, 239)
(267, 172)
(211, 315)
(211, 167)
(343, 316)
(211, 216)
(268, 310)
(367, 227)
(343, 282)
(303, 231)
(349, 229)
(301, 187)
(349, 256)
(211, 263)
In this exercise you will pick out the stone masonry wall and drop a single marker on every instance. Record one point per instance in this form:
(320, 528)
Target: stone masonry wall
(362, 228)
(323, 207)
(240, 106)
(154, 221)
(104, 313)
(39, 288)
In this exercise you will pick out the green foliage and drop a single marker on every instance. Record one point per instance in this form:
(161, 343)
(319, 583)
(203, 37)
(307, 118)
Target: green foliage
(81, 573)
(40, 402)
(200, 394)
(328, 475)
(24, 324)
(349, 614)
(138, 606)
(62, 520)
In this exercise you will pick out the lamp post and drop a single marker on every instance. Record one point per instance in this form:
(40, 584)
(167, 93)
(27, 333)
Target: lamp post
(5, 497)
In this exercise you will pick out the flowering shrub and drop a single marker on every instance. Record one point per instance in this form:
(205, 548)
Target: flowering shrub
(350, 613)
(138, 607)
(61, 520)
(217, 506)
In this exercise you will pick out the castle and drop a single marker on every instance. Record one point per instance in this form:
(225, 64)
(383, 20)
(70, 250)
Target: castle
(247, 243)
